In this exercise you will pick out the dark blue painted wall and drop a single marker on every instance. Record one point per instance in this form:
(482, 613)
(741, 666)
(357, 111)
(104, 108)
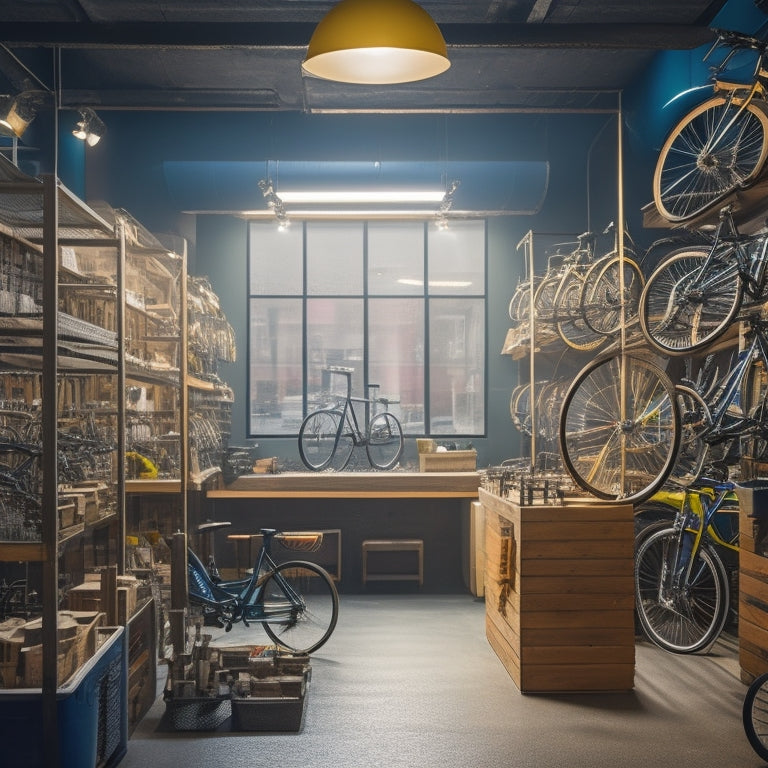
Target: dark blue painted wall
(133, 168)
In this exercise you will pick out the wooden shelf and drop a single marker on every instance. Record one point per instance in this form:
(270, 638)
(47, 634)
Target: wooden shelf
(353, 485)
(153, 486)
(18, 551)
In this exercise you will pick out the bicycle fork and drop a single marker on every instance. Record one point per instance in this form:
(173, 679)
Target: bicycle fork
(679, 559)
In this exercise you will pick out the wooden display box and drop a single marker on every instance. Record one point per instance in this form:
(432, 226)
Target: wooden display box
(448, 461)
(559, 594)
(753, 579)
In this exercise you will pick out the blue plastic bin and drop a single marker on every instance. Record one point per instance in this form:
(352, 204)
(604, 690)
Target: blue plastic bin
(92, 714)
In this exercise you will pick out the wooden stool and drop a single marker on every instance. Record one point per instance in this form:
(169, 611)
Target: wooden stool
(394, 545)
(246, 547)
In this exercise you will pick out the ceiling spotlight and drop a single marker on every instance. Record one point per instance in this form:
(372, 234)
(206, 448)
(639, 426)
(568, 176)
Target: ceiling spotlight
(89, 128)
(274, 202)
(17, 112)
(376, 42)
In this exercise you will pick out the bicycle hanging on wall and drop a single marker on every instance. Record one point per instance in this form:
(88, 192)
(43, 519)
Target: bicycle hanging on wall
(721, 145)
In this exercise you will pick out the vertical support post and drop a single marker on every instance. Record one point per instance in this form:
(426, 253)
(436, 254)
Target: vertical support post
(620, 246)
(532, 352)
(121, 439)
(49, 460)
(179, 592)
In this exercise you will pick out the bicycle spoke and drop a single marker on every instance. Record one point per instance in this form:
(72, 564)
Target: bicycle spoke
(680, 614)
(614, 454)
(716, 149)
(689, 301)
(301, 605)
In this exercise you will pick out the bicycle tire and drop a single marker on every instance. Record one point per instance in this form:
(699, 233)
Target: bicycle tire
(602, 304)
(615, 455)
(544, 298)
(754, 715)
(385, 441)
(695, 421)
(569, 319)
(308, 628)
(520, 408)
(684, 309)
(684, 619)
(754, 402)
(319, 438)
(692, 174)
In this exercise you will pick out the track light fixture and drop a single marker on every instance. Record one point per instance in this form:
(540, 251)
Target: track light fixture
(17, 112)
(89, 127)
(274, 202)
(446, 204)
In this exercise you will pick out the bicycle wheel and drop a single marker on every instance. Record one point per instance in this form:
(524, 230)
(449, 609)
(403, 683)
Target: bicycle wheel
(544, 298)
(695, 420)
(319, 439)
(602, 303)
(688, 301)
(304, 603)
(520, 408)
(679, 615)
(754, 715)
(613, 453)
(714, 150)
(520, 303)
(754, 402)
(385, 441)
(569, 318)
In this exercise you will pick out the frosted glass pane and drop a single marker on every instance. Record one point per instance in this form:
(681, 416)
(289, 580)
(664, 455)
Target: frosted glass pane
(275, 374)
(275, 259)
(456, 259)
(334, 338)
(395, 258)
(457, 366)
(335, 258)
(396, 357)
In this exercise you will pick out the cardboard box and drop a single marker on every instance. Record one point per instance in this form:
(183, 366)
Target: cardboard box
(448, 461)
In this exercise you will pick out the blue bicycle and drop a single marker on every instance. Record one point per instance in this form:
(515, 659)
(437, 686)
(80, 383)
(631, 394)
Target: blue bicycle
(295, 601)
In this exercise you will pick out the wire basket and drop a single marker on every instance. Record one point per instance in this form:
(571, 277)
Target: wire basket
(301, 541)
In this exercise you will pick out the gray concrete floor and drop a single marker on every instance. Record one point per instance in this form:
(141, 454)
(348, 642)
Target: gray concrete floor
(410, 681)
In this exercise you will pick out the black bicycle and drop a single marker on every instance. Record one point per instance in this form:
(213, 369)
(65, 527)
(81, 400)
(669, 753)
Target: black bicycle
(328, 436)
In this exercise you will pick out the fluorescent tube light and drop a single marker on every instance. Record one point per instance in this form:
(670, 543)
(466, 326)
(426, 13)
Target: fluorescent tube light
(361, 196)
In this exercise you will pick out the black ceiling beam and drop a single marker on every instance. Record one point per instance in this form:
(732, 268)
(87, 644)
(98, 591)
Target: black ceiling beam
(297, 34)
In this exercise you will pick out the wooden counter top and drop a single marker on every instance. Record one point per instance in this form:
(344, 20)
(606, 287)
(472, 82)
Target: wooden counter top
(353, 485)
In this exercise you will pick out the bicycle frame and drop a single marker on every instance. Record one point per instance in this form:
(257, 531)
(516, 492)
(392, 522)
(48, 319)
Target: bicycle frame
(693, 522)
(242, 599)
(348, 413)
(706, 503)
(722, 425)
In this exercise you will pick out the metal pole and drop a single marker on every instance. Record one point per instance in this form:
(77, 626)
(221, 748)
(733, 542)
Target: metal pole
(620, 246)
(49, 462)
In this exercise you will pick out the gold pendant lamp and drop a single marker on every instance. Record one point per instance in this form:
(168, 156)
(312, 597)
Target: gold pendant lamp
(376, 42)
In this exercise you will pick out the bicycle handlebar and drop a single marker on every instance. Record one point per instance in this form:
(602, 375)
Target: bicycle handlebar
(737, 40)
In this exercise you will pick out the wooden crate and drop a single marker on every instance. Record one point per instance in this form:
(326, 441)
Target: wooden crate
(753, 584)
(448, 461)
(559, 594)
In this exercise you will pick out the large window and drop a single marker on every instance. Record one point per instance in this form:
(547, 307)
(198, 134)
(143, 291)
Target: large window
(401, 303)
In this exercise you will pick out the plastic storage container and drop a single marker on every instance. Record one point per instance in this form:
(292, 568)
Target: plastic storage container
(92, 714)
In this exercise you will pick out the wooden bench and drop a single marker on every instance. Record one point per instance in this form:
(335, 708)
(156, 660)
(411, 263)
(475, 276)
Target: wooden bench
(394, 545)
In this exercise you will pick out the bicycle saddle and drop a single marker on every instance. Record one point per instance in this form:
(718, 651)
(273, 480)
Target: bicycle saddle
(210, 525)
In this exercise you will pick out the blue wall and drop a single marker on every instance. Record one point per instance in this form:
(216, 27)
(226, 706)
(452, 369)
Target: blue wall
(142, 162)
